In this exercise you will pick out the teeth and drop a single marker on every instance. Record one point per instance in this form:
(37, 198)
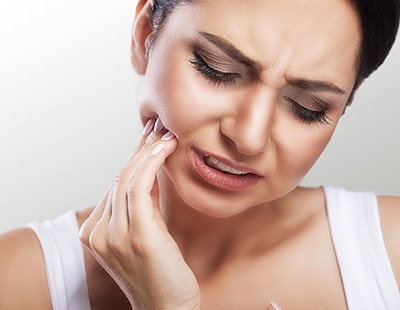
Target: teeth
(213, 162)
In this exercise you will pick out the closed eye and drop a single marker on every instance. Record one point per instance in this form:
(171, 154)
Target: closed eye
(213, 75)
(306, 115)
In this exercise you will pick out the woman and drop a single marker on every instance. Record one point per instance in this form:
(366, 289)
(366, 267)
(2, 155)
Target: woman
(239, 99)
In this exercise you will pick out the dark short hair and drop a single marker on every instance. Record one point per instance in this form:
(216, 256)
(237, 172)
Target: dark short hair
(379, 22)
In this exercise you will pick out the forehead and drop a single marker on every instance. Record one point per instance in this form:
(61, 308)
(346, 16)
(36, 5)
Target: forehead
(288, 37)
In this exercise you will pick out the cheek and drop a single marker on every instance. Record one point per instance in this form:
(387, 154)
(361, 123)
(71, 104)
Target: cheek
(300, 148)
(175, 91)
(190, 107)
(172, 91)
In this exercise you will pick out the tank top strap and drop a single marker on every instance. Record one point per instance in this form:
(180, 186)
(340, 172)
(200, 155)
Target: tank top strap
(65, 267)
(366, 271)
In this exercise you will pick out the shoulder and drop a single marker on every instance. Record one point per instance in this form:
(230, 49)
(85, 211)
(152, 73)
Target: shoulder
(389, 209)
(23, 283)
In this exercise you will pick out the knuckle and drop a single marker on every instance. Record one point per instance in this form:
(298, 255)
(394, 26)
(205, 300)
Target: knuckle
(124, 245)
(139, 245)
(84, 234)
(140, 249)
(97, 244)
(117, 244)
(122, 177)
(133, 190)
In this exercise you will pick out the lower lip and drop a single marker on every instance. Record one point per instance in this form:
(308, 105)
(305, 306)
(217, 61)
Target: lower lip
(218, 179)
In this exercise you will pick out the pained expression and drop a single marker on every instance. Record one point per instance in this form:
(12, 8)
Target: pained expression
(261, 83)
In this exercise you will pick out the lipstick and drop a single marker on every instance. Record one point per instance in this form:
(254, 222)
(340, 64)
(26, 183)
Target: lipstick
(221, 173)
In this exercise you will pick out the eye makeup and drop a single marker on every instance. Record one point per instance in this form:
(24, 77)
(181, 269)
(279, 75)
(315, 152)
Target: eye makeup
(307, 115)
(220, 69)
(308, 108)
(211, 73)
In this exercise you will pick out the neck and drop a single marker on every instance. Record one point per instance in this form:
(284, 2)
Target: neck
(207, 242)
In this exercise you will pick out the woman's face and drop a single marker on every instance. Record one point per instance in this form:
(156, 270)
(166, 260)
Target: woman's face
(256, 85)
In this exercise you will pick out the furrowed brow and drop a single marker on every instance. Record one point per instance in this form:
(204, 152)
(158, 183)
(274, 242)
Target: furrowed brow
(316, 86)
(236, 54)
(229, 49)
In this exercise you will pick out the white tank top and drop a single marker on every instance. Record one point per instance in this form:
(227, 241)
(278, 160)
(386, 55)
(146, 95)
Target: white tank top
(368, 279)
(65, 266)
(367, 275)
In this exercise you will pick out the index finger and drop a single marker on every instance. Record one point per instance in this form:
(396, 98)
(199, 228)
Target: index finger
(151, 130)
(148, 128)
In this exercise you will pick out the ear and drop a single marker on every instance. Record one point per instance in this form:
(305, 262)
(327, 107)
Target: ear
(141, 31)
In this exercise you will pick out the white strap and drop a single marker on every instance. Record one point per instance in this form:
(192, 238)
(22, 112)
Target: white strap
(367, 274)
(65, 267)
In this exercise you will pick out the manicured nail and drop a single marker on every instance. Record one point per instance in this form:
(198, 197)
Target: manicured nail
(159, 125)
(274, 306)
(149, 126)
(151, 138)
(157, 150)
(168, 136)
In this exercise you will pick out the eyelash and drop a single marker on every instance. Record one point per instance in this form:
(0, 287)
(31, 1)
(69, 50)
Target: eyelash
(308, 116)
(214, 76)
(217, 78)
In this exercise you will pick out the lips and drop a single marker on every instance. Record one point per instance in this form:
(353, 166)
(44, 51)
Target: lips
(215, 163)
(222, 173)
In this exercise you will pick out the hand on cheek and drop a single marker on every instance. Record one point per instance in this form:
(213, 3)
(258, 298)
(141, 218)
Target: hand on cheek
(128, 237)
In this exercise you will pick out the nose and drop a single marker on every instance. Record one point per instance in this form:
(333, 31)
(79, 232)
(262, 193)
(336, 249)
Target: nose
(249, 127)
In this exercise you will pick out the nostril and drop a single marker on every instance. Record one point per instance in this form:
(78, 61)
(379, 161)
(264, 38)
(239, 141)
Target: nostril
(248, 142)
(250, 129)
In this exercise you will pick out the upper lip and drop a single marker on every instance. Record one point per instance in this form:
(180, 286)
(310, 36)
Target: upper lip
(230, 163)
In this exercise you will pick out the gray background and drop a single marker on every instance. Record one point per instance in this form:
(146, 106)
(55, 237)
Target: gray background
(68, 117)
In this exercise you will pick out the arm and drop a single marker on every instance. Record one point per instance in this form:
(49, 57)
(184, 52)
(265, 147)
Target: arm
(23, 283)
(389, 208)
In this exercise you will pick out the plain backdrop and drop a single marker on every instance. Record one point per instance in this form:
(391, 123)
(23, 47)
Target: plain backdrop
(68, 115)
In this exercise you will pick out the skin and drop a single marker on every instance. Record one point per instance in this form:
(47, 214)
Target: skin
(248, 122)
(184, 244)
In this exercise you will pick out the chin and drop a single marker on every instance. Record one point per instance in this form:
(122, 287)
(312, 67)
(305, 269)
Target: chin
(214, 206)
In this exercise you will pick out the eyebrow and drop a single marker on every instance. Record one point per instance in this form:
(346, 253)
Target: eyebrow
(229, 49)
(316, 86)
(236, 54)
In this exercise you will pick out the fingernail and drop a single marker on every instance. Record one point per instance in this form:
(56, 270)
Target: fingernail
(151, 138)
(159, 125)
(168, 136)
(157, 150)
(149, 126)
(274, 306)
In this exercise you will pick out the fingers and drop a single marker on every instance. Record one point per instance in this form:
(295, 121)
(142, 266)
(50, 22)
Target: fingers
(141, 193)
(132, 205)
(147, 129)
(88, 226)
(101, 235)
(134, 193)
(273, 306)
(143, 157)
(152, 131)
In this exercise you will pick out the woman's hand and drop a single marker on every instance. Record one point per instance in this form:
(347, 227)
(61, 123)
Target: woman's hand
(128, 237)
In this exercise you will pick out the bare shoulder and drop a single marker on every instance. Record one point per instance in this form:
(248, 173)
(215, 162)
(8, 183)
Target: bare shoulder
(23, 283)
(389, 209)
